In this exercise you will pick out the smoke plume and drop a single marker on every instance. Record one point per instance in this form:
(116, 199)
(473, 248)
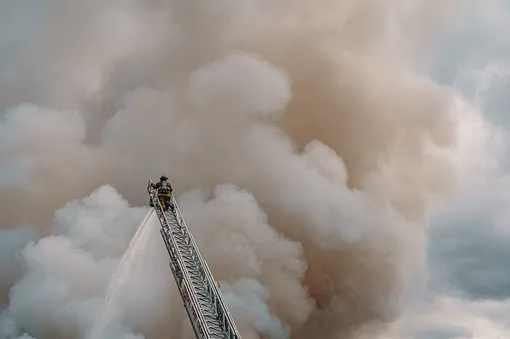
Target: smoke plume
(304, 148)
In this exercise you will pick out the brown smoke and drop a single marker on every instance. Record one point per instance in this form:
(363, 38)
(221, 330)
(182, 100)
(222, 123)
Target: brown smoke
(312, 110)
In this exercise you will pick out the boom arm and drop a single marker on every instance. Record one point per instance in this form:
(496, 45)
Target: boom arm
(204, 303)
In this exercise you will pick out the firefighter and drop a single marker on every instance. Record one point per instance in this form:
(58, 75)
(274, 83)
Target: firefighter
(165, 191)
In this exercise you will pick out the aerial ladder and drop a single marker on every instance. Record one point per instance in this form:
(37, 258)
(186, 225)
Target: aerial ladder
(203, 300)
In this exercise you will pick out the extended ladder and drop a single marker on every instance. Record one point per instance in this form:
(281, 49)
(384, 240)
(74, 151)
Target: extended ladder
(203, 301)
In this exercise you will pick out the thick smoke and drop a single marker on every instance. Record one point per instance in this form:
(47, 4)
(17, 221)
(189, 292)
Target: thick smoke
(304, 150)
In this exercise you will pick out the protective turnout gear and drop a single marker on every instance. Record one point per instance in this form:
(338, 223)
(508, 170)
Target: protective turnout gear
(164, 193)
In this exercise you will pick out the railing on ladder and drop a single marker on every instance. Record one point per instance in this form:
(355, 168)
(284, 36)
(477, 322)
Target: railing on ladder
(203, 301)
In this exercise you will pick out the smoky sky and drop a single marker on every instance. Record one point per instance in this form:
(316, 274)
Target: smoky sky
(306, 150)
(468, 242)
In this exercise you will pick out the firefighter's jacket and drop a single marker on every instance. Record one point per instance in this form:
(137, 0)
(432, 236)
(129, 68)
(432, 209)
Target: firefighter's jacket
(164, 188)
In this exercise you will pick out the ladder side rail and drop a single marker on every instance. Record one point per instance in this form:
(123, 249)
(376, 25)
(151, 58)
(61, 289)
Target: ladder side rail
(207, 294)
(187, 234)
(166, 231)
(187, 279)
(169, 249)
(184, 292)
(192, 309)
(230, 324)
(217, 295)
(172, 264)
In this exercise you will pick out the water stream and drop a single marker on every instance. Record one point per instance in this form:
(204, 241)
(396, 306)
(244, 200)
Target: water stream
(111, 312)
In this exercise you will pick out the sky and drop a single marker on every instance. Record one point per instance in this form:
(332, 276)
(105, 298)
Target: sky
(352, 155)
(468, 239)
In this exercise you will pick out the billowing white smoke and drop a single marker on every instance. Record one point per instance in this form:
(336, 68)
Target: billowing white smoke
(12, 241)
(67, 272)
(303, 150)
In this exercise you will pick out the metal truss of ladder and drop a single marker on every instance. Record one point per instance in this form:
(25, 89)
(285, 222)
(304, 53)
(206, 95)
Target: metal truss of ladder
(203, 301)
